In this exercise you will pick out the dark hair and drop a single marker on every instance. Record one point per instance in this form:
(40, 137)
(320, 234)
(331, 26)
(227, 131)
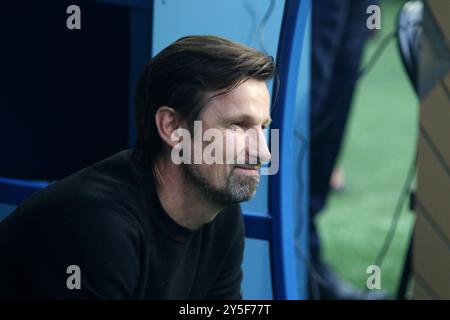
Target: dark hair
(184, 75)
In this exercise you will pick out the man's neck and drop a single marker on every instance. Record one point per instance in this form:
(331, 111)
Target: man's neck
(181, 200)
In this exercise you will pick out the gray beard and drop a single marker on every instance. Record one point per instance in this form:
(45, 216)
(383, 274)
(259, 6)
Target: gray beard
(237, 188)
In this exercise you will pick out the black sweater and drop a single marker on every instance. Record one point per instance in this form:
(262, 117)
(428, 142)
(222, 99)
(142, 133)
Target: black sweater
(107, 220)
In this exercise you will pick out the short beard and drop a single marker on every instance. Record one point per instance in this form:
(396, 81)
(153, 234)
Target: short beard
(237, 188)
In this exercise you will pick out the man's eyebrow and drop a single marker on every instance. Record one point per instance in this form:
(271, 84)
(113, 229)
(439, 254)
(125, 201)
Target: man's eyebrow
(246, 117)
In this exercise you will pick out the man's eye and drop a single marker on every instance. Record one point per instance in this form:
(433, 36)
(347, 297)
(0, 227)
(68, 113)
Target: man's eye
(236, 125)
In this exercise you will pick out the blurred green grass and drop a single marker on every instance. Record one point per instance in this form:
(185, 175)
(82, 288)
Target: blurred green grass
(379, 146)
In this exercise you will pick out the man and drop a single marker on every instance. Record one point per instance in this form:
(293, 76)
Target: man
(138, 225)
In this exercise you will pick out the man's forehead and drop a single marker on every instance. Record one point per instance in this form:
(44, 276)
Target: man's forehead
(245, 100)
(249, 89)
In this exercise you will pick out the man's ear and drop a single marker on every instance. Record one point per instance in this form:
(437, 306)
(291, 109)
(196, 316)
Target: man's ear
(167, 122)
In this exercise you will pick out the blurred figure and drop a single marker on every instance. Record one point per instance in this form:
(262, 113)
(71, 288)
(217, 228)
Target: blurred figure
(338, 35)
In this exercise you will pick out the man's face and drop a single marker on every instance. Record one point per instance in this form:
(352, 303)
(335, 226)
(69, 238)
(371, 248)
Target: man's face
(240, 117)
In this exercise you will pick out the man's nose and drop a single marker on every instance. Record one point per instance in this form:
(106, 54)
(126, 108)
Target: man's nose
(257, 148)
(263, 148)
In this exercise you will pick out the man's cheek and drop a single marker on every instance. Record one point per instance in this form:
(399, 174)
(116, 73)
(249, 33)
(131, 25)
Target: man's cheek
(235, 148)
(229, 143)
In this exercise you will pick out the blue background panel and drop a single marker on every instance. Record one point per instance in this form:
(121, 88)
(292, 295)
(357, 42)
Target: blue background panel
(256, 283)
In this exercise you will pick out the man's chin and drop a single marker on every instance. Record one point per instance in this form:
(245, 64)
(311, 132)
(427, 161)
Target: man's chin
(240, 186)
(244, 189)
(248, 198)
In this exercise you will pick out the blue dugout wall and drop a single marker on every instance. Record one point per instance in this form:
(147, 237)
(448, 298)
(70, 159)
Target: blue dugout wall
(276, 219)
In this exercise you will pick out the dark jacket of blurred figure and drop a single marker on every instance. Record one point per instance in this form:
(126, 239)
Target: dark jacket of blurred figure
(339, 32)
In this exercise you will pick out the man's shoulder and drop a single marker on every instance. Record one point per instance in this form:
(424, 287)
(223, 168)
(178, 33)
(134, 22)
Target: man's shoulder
(99, 200)
(111, 183)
